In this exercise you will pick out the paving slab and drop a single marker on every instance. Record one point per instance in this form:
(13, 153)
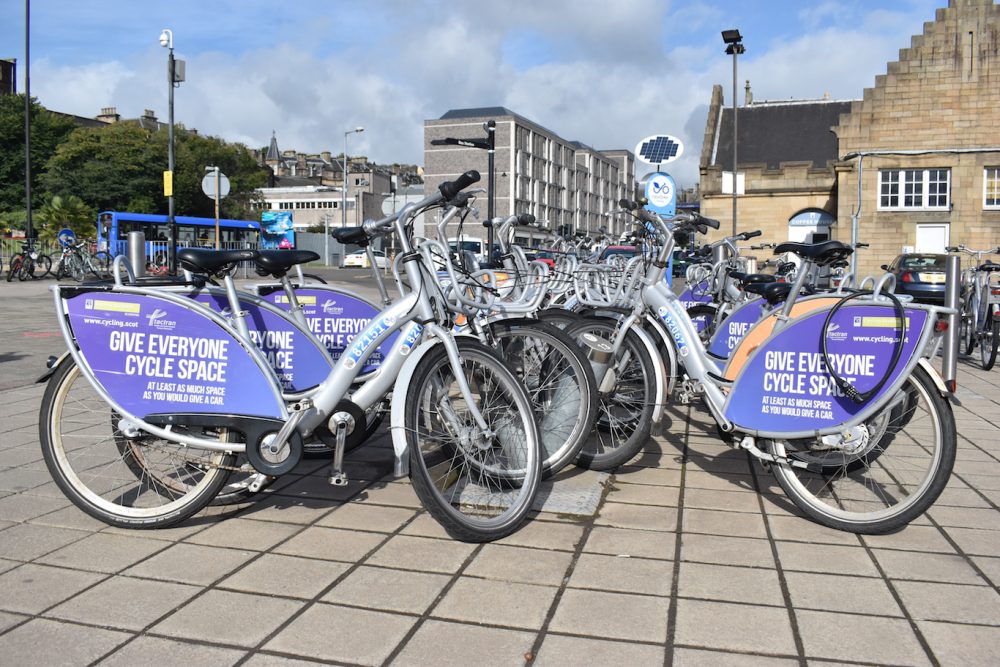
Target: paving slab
(674, 557)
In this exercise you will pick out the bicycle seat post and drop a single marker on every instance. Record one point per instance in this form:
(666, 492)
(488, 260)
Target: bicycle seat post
(804, 269)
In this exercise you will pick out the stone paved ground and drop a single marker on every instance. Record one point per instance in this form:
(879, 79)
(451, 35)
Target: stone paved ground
(693, 558)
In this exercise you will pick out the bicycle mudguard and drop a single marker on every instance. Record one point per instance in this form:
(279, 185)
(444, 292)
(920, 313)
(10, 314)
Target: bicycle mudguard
(160, 355)
(335, 318)
(298, 361)
(785, 390)
(731, 330)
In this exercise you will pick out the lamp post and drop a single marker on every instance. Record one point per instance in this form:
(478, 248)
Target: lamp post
(734, 47)
(343, 210)
(167, 41)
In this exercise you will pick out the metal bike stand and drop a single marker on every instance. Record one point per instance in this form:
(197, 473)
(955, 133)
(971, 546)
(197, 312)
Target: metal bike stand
(952, 295)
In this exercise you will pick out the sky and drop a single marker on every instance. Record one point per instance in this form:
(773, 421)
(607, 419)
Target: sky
(604, 72)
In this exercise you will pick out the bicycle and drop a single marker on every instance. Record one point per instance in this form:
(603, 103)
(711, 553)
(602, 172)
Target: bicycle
(839, 401)
(78, 262)
(25, 264)
(979, 318)
(181, 384)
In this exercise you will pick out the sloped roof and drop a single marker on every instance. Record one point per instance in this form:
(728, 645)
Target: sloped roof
(771, 133)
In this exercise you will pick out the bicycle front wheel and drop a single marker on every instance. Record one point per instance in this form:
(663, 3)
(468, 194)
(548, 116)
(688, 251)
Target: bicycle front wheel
(15, 267)
(890, 481)
(479, 485)
(989, 341)
(27, 270)
(118, 478)
(560, 383)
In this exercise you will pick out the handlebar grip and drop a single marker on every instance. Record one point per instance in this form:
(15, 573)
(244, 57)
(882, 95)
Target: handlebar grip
(950, 248)
(867, 245)
(449, 189)
(525, 219)
(628, 204)
(714, 224)
(751, 235)
(702, 229)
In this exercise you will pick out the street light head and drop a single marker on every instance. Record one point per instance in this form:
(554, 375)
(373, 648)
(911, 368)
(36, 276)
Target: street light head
(732, 36)
(167, 39)
(359, 129)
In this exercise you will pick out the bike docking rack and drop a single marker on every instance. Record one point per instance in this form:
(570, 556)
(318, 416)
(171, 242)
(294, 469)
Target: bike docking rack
(952, 299)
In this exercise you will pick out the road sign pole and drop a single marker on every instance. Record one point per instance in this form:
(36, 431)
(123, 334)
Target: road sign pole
(216, 208)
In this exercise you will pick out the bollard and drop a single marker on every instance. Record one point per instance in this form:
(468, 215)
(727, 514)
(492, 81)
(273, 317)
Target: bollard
(952, 297)
(137, 253)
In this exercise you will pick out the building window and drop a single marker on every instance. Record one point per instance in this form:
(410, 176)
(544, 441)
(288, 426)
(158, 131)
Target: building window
(906, 189)
(991, 187)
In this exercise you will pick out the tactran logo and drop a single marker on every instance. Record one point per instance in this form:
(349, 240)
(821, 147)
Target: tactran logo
(330, 307)
(834, 332)
(156, 320)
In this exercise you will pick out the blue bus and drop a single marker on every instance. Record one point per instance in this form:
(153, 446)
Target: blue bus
(113, 228)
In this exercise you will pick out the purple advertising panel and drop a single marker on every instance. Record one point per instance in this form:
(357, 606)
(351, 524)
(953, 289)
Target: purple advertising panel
(335, 318)
(786, 386)
(732, 329)
(154, 356)
(692, 296)
(299, 363)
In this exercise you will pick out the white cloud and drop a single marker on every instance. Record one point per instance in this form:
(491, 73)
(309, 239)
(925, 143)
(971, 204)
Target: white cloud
(614, 72)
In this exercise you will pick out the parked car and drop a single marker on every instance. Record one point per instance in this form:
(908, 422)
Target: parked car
(627, 251)
(359, 258)
(919, 274)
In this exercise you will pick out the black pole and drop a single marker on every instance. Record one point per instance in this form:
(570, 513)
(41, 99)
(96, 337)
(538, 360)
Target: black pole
(491, 138)
(171, 221)
(27, 115)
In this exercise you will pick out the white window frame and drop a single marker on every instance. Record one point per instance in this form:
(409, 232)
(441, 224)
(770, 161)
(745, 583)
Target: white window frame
(995, 179)
(923, 184)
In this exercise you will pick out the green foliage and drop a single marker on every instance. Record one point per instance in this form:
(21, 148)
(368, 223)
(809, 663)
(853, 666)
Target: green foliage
(61, 212)
(47, 131)
(107, 167)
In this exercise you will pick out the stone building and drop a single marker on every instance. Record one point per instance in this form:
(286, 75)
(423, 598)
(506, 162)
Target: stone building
(787, 153)
(921, 146)
(562, 182)
(311, 187)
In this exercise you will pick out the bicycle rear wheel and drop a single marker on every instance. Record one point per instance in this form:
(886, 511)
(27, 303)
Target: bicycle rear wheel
(989, 341)
(100, 264)
(131, 482)
(625, 409)
(889, 482)
(560, 383)
(478, 485)
(43, 266)
(967, 325)
(27, 270)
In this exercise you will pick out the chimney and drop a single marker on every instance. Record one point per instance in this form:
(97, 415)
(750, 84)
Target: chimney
(749, 95)
(150, 115)
(109, 115)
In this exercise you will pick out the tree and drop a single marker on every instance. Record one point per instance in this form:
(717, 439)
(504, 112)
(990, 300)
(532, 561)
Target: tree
(47, 131)
(194, 152)
(60, 212)
(112, 168)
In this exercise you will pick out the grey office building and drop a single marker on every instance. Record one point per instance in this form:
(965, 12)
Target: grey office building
(565, 183)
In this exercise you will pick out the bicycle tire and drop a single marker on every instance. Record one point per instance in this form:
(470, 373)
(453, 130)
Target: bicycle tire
(703, 316)
(989, 341)
(559, 317)
(967, 324)
(100, 264)
(478, 489)
(80, 447)
(15, 267)
(27, 270)
(44, 262)
(883, 498)
(625, 413)
(560, 382)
